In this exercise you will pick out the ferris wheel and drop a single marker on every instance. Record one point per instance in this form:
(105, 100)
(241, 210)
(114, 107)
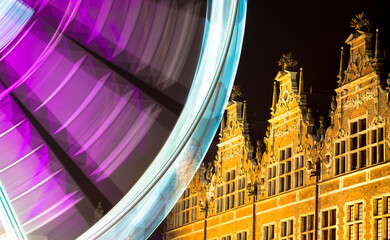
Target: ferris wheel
(107, 108)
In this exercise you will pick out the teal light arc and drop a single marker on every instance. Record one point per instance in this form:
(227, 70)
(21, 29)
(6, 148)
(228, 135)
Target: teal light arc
(149, 201)
(144, 207)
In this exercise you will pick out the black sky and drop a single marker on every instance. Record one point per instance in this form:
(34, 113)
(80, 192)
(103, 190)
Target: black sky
(313, 31)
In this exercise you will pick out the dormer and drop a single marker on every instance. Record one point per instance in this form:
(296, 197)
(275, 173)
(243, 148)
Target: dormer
(290, 100)
(362, 60)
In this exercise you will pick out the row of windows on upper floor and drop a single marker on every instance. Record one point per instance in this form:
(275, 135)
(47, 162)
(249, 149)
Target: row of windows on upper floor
(228, 196)
(362, 147)
(239, 236)
(365, 146)
(183, 211)
(353, 225)
(288, 177)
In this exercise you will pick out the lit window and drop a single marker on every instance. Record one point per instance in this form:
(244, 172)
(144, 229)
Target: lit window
(219, 200)
(286, 230)
(358, 144)
(230, 189)
(272, 180)
(377, 145)
(328, 227)
(355, 221)
(307, 227)
(382, 218)
(340, 156)
(241, 188)
(242, 236)
(285, 169)
(269, 232)
(227, 238)
(299, 171)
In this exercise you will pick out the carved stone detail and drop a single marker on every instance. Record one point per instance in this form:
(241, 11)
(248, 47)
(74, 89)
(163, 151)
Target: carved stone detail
(378, 120)
(340, 134)
(299, 149)
(358, 66)
(289, 129)
(370, 94)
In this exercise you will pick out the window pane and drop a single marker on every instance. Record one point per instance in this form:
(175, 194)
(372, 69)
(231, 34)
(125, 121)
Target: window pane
(325, 235)
(325, 219)
(362, 124)
(374, 158)
(303, 222)
(362, 140)
(379, 229)
(333, 234)
(333, 217)
(311, 222)
(353, 143)
(363, 158)
(381, 153)
(360, 211)
(342, 167)
(337, 149)
(354, 161)
(373, 136)
(354, 128)
(288, 153)
(380, 134)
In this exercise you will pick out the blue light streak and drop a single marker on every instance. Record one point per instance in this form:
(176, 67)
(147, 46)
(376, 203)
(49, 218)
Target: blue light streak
(13, 16)
(150, 200)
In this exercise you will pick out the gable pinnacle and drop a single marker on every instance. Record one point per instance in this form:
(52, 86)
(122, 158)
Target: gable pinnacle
(377, 53)
(244, 113)
(341, 69)
(301, 82)
(274, 99)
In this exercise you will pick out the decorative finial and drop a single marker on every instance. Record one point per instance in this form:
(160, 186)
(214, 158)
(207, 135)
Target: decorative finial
(236, 92)
(360, 23)
(274, 99)
(333, 104)
(222, 125)
(301, 82)
(287, 62)
(377, 52)
(244, 113)
(341, 69)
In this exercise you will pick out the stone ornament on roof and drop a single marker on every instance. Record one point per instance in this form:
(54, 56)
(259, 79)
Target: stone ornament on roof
(361, 23)
(287, 62)
(236, 93)
(361, 60)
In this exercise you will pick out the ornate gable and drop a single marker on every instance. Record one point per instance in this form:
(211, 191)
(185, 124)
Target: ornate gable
(234, 124)
(362, 61)
(288, 92)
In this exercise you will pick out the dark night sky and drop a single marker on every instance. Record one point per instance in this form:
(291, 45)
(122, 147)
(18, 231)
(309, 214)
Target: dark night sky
(313, 31)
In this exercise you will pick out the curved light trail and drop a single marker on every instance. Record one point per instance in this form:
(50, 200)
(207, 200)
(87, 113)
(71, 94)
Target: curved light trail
(90, 115)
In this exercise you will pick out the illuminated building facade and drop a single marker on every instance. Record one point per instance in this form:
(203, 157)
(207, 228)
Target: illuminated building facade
(319, 176)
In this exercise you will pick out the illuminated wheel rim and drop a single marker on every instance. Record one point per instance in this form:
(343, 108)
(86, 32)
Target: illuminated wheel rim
(102, 109)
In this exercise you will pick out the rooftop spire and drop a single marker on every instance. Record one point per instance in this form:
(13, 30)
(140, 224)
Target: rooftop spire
(377, 53)
(274, 99)
(341, 69)
(244, 113)
(301, 82)
(222, 124)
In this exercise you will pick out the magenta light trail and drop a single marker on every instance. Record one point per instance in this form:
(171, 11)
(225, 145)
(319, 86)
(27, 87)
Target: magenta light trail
(108, 101)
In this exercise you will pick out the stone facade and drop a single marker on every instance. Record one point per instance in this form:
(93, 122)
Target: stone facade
(317, 177)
